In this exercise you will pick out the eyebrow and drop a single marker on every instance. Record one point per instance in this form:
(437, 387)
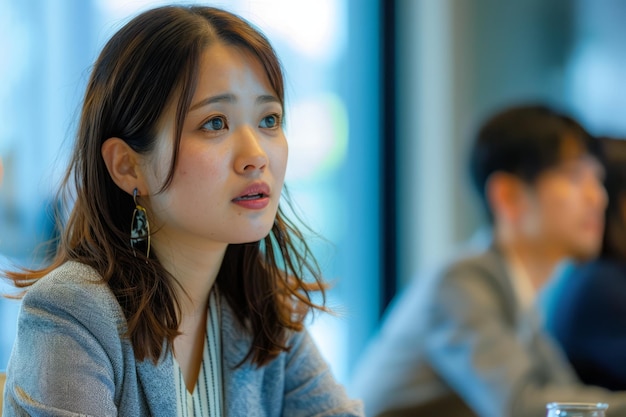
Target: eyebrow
(231, 98)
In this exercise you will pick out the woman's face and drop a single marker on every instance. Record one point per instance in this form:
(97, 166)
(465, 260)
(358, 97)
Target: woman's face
(231, 162)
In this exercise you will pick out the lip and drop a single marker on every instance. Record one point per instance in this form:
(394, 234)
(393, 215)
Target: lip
(254, 197)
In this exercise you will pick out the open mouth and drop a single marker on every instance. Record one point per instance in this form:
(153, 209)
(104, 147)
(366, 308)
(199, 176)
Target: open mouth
(248, 197)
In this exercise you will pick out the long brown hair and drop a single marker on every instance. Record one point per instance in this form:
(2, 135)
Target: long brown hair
(149, 63)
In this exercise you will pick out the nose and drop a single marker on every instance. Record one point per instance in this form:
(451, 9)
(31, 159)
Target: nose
(250, 155)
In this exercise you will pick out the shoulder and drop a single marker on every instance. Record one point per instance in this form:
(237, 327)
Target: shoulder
(470, 267)
(477, 280)
(601, 270)
(484, 271)
(471, 284)
(74, 289)
(487, 263)
(68, 279)
(588, 300)
(481, 275)
(71, 331)
(597, 281)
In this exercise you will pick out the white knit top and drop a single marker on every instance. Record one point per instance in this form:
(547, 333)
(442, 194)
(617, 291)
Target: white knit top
(207, 397)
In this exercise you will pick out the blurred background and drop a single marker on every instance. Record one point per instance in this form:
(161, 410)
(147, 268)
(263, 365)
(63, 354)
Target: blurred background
(382, 99)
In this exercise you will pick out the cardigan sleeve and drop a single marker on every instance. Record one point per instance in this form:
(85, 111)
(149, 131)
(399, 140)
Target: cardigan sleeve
(310, 388)
(64, 362)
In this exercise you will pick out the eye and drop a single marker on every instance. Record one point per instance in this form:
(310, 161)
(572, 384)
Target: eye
(270, 122)
(215, 123)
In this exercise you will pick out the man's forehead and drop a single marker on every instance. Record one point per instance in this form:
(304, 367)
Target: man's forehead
(573, 152)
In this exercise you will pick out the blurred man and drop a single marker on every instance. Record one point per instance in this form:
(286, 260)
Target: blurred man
(467, 341)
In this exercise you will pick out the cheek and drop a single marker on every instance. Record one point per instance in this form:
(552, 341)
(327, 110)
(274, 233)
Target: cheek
(200, 171)
(572, 200)
(196, 167)
(559, 197)
(561, 213)
(554, 211)
(277, 154)
(196, 189)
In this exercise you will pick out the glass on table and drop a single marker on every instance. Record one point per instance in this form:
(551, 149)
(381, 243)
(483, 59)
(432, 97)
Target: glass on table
(576, 409)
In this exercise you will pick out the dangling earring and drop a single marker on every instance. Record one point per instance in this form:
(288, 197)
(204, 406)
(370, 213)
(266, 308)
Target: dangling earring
(139, 228)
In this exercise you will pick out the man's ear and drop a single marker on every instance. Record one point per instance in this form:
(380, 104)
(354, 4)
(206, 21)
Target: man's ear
(506, 195)
(122, 162)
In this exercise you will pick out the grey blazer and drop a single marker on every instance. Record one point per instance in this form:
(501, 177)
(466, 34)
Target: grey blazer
(69, 359)
(457, 344)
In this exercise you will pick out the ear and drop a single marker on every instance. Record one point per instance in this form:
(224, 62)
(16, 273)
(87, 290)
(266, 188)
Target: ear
(123, 162)
(506, 195)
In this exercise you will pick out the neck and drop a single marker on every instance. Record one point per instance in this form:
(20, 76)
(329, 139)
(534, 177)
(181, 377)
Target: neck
(195, 268)
(539, 261)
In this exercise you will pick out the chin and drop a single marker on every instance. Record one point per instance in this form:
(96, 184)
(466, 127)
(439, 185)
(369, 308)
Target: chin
(585, 254)
(251, 236)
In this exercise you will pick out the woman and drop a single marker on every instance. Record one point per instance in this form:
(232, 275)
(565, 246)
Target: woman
(587, 315)
(178, 285)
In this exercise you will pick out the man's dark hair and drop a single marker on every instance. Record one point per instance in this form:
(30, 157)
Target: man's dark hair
(524, 141)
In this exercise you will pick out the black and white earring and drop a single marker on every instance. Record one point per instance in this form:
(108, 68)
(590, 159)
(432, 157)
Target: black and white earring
(139, 228)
